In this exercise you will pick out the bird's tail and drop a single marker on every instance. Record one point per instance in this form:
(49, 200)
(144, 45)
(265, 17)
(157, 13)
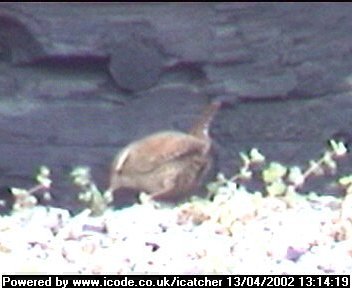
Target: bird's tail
(201, 128)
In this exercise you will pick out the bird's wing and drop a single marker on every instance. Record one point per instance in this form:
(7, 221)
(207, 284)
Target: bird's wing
(149, 153)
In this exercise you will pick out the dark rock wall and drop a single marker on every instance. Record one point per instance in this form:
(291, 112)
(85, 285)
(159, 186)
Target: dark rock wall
(80, 80)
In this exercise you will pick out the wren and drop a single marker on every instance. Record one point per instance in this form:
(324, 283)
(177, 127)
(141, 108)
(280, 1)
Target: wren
(167, 163)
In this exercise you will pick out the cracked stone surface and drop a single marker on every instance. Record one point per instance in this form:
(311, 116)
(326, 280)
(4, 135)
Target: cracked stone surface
(79, 81)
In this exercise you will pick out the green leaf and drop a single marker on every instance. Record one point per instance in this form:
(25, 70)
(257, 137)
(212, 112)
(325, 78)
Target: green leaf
(295, 176)
(274, 172)
(276, 188)
(339, 148)
(256, 156)
(345, 180)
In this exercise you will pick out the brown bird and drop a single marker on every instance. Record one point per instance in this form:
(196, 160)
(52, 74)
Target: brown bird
(167, 163)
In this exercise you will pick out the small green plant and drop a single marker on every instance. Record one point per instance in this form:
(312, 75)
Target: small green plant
(28, 198)
(287, 180)
(278, 179)
(90, 195)
(346, 183)
(346, 207)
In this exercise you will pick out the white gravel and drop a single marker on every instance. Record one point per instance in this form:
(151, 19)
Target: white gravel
(245, 234)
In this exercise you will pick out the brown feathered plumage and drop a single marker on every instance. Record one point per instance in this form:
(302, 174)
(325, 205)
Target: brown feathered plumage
(168, 163)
